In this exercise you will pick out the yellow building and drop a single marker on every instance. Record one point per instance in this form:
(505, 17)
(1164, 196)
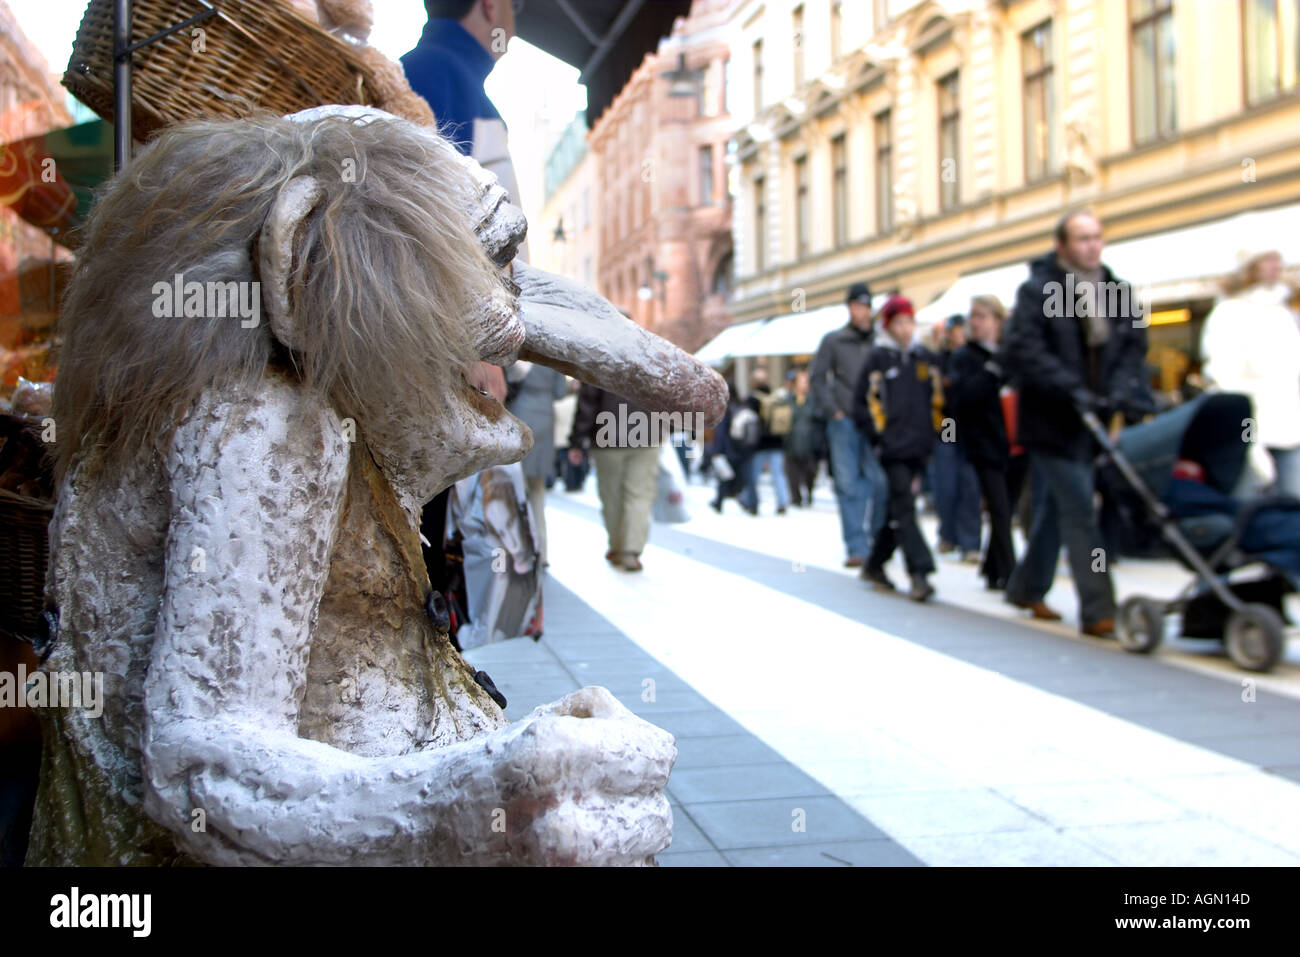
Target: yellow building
(913, 142)
(564, 237)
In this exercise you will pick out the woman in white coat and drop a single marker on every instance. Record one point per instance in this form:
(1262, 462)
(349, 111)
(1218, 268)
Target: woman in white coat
(1251, 345)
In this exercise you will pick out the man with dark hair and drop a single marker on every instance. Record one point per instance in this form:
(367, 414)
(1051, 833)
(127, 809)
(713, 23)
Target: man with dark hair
(460, 44)
(1061, 231)
(1076, 342)
(859, 480)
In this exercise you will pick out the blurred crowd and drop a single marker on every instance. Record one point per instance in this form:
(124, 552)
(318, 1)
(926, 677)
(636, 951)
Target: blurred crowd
(982, 421)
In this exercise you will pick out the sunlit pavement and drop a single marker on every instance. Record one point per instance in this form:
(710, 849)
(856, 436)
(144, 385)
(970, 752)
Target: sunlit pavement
(822, 723)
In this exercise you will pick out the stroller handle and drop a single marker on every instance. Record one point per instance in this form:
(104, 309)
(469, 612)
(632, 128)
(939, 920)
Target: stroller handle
(1168, 527)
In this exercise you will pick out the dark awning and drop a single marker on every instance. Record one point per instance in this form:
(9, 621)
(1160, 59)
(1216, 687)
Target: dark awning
(605, 39)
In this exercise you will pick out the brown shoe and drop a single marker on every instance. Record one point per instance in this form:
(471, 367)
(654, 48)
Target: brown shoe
(612, 557)
(1100, 629)
(854, 561)
(631, 562)
(1040, 610)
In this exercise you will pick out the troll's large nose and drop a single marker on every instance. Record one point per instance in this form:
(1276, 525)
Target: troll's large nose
(570, 328)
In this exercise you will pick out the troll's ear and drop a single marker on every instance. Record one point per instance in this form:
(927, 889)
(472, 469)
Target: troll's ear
(278, 248)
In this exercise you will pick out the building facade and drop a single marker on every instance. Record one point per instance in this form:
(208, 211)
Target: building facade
(909, 142)
(664, 211)
(564, 239)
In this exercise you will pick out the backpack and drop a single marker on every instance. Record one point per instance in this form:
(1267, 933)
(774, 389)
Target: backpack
(745, 429)
(778, 413)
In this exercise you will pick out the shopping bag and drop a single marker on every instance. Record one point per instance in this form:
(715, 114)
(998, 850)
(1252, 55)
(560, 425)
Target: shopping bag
(670, 502)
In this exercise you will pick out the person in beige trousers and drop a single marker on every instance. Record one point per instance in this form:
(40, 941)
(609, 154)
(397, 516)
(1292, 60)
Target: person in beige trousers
(624, 443)
(534, 402)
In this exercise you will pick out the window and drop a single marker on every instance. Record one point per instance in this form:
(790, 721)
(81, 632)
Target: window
(758, 75)
(949, 140)
(727, 93)
(880, 14)
(709, 95)
(884, 172)
(1152, 58)
(837, 30)
(706, 175)
(796, 34)
(1271, 29)
(1040, 101)
(801, 210)
(722, 277)
(840, 191)
(760, 225)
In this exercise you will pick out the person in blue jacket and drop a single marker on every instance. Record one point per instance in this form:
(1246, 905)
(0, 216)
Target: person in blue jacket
(461, 43)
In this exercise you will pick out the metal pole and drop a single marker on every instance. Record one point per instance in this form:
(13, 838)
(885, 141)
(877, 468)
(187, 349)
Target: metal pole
(121, 83)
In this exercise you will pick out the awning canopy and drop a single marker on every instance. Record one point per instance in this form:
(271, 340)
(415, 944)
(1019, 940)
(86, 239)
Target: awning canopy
(720, 348)
(605, 39)
(1177, 264)
(1206, 251)
(796, 334)
(1001, 282)
(799, 333)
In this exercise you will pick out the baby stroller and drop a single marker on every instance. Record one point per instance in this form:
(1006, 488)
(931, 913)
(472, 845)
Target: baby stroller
(1184, 466)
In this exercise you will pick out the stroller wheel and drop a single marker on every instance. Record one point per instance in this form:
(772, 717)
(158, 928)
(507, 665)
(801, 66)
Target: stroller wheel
(1141, 624)
(1256, 637)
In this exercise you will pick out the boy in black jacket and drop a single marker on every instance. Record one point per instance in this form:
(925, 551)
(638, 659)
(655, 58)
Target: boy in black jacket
(897, 405)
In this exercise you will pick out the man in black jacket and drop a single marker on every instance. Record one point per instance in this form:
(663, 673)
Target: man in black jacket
(1076, 341)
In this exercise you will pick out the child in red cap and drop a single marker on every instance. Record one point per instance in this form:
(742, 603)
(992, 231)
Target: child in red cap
(897, 405)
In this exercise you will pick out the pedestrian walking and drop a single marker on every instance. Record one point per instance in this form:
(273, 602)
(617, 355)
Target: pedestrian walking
(1076, 342)
(457, 49)
(775, 414)
(735, 440)
(952, 477)
(573, 476)
(974, 393)
(534, 404)
(1251, 345)
(627, 468)
(805, 443)
(897, 402)
(861, 489)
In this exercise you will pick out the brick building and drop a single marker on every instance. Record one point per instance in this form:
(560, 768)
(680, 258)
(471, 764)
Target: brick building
(664, 211)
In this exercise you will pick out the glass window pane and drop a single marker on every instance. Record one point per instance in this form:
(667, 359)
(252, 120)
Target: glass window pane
(1034, 131)
(1049, 121)
(1261, 49)
(1144, 85)
(1168, 86)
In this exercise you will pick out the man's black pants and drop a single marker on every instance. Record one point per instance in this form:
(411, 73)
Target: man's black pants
(901, 528)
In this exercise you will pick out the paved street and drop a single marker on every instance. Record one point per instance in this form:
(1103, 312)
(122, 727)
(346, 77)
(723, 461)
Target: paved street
(818, 722)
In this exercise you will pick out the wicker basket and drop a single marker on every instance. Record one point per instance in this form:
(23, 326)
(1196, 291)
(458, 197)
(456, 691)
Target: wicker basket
(24, 551)
(257, 53)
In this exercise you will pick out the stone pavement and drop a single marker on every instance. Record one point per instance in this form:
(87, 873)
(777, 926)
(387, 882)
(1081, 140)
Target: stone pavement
(735, 801)
(968, 738)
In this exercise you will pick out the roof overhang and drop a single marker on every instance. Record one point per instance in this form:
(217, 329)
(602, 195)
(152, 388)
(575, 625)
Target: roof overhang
(605, 39)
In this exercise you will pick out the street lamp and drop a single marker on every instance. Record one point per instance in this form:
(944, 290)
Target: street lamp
(681, 81)
(645, 293)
